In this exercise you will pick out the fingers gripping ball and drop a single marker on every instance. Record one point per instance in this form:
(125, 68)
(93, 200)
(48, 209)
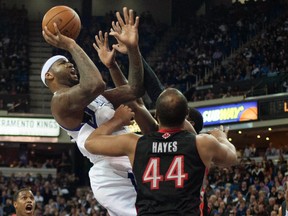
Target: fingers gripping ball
(67, 20)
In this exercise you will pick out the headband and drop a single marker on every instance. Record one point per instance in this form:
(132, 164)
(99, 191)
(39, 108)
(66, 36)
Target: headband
(48, 64)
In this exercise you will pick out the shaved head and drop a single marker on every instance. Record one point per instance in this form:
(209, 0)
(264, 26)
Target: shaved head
(171, 108)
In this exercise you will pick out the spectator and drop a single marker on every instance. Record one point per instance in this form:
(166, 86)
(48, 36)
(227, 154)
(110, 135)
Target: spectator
(271, 150)
(38, 197)
(249, 151)
(8, 208)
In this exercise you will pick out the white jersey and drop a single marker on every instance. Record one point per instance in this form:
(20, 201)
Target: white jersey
(110, 177)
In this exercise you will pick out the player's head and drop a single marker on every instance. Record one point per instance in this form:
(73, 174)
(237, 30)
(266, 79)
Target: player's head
(24, 202)
(59, 69)
(171, 108)
(196, 119)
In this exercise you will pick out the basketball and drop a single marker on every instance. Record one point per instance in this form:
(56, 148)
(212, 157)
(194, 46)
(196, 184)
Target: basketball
(67, 20)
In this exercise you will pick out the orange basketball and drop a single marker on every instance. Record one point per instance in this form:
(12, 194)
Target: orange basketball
(67, 20)
(249, 114)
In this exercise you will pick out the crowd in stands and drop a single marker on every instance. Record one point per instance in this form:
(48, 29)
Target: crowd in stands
(225, 48)
(14, 56)
(253, 187)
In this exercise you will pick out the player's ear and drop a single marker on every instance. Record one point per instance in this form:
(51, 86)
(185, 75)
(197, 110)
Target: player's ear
(15, 204)
(49, 75)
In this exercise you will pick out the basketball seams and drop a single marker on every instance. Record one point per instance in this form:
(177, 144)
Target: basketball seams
(52, 18)
(67, 23)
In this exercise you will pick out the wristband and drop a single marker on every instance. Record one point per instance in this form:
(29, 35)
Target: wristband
(286, 213)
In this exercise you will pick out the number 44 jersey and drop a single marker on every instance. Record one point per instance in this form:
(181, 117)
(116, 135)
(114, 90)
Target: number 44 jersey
(169, 174)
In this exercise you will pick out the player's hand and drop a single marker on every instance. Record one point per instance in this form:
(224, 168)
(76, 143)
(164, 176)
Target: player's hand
(129, 28)
(106, 55)
(125, 114)
(120, 47)
(220, 132)
(57, 40)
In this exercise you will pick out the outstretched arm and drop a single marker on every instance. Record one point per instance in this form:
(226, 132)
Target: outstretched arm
(107, 57)
(152, 84)
(129, 37)
(143, 117)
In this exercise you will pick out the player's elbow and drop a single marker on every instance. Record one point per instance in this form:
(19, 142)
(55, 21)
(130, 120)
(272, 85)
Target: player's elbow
(100, 87)
(95, 88)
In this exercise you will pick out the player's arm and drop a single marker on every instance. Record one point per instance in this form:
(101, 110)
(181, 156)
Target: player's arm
(146, 122)
(143, 117)
(215, 148)
(107, 57)
(73, 100)
(189, 127)
(129, 37)
(100, 141)
(152, 84)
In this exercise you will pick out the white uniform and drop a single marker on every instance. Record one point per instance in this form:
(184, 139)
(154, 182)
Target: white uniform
(110, 177)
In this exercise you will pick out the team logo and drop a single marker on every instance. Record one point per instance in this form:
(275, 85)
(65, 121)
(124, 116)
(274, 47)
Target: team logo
(166, 135)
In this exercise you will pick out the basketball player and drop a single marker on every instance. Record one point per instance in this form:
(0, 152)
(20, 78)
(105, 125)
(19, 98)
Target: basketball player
(24, 202)
(151, 81)
(169, 164)
(153, 87)
(81, 105)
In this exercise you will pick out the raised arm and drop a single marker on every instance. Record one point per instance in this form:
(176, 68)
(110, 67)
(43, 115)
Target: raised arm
(152, 84)
(69, 99)
(143, 117)
(107, 57)
(129, 37)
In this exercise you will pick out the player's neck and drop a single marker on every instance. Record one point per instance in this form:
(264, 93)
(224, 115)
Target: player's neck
(169, 129)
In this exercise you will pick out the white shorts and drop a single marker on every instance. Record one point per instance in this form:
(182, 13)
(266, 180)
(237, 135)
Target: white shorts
(113, 190)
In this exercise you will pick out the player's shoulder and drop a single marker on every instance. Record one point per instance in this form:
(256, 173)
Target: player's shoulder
(60, 93)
